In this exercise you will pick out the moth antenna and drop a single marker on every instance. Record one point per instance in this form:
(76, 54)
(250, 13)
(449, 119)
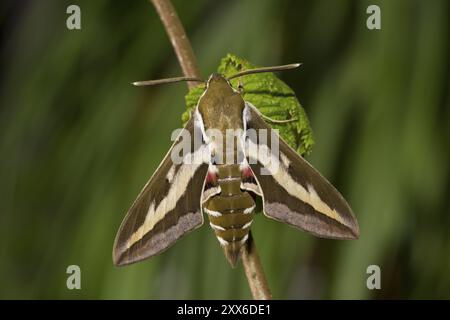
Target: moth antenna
(164, 81)
(265, 69)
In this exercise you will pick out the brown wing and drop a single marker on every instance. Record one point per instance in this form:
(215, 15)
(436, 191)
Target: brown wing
(167, 208)
(293, 191)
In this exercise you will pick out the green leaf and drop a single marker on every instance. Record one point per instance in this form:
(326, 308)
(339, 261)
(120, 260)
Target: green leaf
(271, 96)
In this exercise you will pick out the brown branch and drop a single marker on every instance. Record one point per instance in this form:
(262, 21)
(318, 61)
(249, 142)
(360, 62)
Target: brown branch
(177, 36)
(254, 272)
(183, 49)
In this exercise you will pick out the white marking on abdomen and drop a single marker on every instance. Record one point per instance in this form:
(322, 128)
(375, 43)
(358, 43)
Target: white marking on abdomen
(249, 210)
(212, 212)
(216, 227)
(242, 241)
(247, 225)
(222, 241)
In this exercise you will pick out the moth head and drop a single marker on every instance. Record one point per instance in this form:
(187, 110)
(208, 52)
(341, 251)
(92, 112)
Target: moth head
(218, 102)
(218, 82)
(216, 77)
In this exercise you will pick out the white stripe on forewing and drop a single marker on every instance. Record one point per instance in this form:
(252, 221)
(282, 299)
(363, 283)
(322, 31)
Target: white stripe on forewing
(198, 122)
(285, 160)
(177, 189)
(170, 174)
(284, 179)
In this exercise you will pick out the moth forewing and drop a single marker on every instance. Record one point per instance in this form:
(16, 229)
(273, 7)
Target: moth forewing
(168, 207)
(293, 191)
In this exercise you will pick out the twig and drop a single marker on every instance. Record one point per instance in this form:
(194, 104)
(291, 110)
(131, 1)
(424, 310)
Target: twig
(254, 272)
(183, 49)
(177, 36)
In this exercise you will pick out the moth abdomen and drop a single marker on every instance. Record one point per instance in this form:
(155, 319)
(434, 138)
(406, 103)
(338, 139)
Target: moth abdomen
(230, 212)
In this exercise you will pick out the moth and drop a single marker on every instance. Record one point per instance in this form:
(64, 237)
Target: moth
(224, 181)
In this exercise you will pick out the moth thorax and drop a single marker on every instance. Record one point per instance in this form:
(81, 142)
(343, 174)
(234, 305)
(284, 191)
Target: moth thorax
(233, 147)
(227, 156)
(233, 157)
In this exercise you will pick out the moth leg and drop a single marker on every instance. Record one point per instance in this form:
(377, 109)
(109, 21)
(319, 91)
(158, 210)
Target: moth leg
(268, 119)
(240, 86)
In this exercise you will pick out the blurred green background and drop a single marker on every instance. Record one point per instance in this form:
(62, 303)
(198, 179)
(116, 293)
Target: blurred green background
(78, 142)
